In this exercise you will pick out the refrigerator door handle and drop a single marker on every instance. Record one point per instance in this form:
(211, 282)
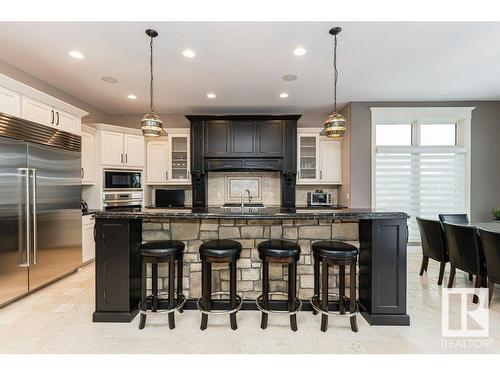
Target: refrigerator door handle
(35, 245)
(27, 223)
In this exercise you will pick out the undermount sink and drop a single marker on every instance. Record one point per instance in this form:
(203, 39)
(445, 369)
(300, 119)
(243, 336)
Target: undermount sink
(255, 205)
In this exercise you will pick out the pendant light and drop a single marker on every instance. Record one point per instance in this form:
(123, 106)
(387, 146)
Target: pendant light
(335, 125)
(151, 124)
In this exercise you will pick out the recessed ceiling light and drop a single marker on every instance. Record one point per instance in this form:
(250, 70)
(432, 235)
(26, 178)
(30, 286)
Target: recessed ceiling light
(289, 77)
(109, 79)
(299, 51)
(131, 96)
(283, 95)
(189, 53)
(76, 55)
(211, 95)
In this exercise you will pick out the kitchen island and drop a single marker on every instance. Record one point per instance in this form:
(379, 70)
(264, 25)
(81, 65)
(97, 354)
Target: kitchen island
(381, 237)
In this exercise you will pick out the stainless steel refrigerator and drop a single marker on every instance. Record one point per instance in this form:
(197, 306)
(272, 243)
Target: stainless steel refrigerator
(40, 215)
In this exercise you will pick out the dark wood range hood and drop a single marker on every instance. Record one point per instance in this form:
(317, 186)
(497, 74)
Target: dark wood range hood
(243, 143)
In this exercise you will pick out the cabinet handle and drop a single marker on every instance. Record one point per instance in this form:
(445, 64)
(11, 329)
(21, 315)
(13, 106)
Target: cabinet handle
(52, 119)
(83, 173)
(121, 158)
(126, 158)
(166, 175)
(57, 113)
(320, 175)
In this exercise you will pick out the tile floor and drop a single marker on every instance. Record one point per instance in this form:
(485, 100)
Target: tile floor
(57, 319)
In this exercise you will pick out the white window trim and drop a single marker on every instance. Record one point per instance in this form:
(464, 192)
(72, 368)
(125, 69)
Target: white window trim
(462, 116)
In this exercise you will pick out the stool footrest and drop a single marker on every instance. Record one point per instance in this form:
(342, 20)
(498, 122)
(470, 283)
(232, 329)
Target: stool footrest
(180, 302)
(239, 300)
(315, 304)
(298, 305)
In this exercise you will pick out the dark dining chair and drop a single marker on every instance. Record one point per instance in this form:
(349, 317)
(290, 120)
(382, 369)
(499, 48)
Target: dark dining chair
(491, 246)
(433, 245)
(465, 253)
(455, 219)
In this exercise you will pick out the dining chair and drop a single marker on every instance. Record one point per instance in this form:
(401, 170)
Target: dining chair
(491, 246)
(433, 245)
(465, 253)
(455, 219)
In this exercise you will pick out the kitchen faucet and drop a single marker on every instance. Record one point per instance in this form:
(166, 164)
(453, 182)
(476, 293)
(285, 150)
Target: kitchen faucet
(243, 195)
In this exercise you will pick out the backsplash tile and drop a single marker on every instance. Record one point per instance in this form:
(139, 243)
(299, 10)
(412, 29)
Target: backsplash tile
(219, 187)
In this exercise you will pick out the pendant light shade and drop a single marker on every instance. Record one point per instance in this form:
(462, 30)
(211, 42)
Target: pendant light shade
(151, 124)
(335, 125)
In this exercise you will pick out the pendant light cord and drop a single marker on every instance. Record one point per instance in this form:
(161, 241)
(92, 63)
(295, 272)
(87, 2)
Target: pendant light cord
(151, 84)
(335, 74)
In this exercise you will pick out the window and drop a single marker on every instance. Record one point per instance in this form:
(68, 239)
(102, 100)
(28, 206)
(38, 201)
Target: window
(422, 167)
(438, 134)
(393, 135)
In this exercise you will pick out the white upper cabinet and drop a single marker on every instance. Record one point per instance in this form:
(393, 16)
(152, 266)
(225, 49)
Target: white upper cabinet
(319, 159)
(67, 122)
(157, 161)
(133, 150)
(88, 159)
(112, 148)
(38, 112)
(168, 159)
(308, 154)
(179, 168)
(10, 102)
(330, 161)
(122, 150)
(23, 101)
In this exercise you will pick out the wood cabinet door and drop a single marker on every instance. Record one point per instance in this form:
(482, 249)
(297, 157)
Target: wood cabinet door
(157, 161)
(38, 112)
(330, 161)
(217, 140)
(10, 102)
(112, 148)
(243, 138)
(88, 159)
(112, 265)
(67, 122)
(88, 244)
(270, 138)
(133, 150)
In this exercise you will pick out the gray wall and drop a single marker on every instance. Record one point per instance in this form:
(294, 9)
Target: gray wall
(485, 157)
(95, 114)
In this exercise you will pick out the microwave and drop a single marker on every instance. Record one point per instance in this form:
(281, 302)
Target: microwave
(319, 198)
(122, 180)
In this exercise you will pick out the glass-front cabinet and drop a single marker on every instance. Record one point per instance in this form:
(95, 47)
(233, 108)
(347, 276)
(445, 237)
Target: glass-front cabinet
(179, 158)
(308, 157)
(168, 159)
(319, 159)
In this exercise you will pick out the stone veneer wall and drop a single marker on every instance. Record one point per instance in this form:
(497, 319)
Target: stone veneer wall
(249, 233)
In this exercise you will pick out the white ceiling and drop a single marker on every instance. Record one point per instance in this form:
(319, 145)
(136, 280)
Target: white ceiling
(243, 63)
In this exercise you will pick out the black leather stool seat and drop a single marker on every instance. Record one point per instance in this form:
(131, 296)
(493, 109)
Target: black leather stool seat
(220, 248)
(161, 248)
(279, 249)
(334, 249)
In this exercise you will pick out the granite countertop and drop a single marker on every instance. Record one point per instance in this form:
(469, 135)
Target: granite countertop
(90, 211)
(345, 214)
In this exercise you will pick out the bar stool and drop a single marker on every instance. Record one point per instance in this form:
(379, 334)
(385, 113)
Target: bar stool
(283, 252)
(154, 253)
(341, 254)
(218, 251)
